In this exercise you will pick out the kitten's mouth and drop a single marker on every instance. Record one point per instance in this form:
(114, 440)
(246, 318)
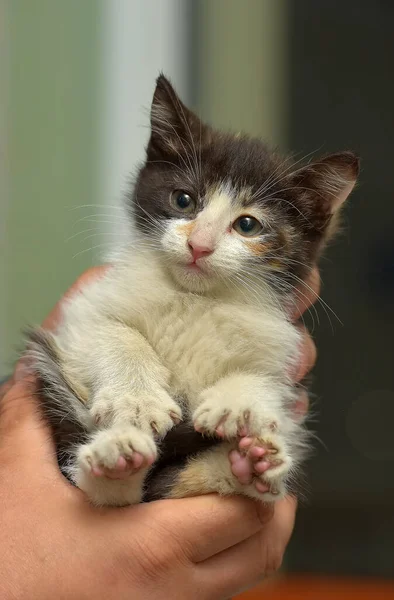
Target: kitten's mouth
(193, 276)
(195, 267)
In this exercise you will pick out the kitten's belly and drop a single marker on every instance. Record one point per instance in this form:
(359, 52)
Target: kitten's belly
(199, 340)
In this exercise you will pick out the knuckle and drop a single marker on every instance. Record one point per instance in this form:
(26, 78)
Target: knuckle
(272, 558)
(171, 545)
(88, 275)
(147, 562)
(310, 352)
(307, 354)
(273, 562)
(301, 405)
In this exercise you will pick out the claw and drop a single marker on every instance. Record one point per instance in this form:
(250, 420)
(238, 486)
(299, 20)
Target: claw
(176, 418)
(245, 428)
(220, 428)
(154, 427)
(242, 431)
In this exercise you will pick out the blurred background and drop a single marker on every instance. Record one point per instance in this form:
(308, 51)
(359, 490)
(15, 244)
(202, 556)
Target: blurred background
(76, 85)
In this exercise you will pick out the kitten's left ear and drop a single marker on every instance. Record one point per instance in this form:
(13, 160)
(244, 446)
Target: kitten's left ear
(174, 128)
(329, 180)
(323, 186)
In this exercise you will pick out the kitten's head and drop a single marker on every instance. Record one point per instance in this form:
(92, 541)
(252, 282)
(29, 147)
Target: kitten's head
(224, 209)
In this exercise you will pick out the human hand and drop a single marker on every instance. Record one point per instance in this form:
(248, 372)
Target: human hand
(206, 547)
(306, 296)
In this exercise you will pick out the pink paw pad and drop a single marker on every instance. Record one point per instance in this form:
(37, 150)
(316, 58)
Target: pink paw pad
(124, 467)
(241, 467)
(252, 460)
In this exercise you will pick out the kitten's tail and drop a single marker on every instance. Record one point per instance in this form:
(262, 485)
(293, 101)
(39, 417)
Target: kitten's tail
(63, 405)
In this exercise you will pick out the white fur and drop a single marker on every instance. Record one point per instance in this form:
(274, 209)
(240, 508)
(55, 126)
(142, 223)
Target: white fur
(105, 448)
(152, 329)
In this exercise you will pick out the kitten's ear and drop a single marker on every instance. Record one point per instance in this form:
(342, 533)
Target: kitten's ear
(174, 128)
(325, 185)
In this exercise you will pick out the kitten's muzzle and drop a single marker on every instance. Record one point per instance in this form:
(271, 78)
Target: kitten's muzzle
(198, 250)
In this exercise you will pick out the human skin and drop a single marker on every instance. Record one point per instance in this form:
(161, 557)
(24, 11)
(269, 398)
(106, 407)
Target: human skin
(54, 544)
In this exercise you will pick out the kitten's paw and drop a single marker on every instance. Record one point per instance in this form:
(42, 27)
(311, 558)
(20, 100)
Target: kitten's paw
(262, 462)
(229, 417)
(156, 413)
(117, 453)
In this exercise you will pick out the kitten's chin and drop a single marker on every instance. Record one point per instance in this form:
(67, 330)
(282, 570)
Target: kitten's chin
(193, 279)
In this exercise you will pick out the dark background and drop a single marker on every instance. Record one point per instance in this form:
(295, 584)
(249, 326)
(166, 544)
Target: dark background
(342, 96)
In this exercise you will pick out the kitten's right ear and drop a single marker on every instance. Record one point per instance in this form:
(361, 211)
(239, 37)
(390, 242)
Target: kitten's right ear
(174, 128)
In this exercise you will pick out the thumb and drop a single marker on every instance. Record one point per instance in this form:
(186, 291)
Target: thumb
(23, 430)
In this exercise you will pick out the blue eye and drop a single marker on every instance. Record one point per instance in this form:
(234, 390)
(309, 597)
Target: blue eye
(182, 201)
(247, 226)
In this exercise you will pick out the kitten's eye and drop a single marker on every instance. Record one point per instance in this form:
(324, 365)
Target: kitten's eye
(247, 226)
(182, 201)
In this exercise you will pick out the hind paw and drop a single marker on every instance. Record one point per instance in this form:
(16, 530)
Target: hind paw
(262, 462)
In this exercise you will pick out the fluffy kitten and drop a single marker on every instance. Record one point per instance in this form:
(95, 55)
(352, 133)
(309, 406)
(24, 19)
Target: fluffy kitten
(191, 321)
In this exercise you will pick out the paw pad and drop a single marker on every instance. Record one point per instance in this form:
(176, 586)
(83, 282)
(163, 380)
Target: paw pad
(263, 462)
(117, 453)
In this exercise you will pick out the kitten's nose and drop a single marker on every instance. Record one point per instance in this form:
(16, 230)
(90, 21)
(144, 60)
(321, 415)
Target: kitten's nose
(198, 250)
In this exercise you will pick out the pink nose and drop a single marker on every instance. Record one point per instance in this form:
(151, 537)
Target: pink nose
(199, 251)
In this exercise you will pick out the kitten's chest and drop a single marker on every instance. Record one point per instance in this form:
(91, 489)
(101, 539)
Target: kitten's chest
(199, 339)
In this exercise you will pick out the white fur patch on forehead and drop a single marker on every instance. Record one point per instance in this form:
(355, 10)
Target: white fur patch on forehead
(224, 202)
(244, 196)
(219, 203)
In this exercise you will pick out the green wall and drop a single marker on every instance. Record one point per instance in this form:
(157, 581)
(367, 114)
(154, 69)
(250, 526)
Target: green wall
(242, 56)
(52, 154)
(53, 57)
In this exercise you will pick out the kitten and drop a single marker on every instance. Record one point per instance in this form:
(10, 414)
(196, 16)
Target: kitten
(191, 322)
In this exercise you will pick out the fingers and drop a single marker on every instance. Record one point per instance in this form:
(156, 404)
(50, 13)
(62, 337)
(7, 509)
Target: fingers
(260, 555)
(307, 294)
(23, 432)
(210, 524)
(308, 354)
(301, 406)
(90, 275)
(307, 360)
(4, 387)
(16, 404)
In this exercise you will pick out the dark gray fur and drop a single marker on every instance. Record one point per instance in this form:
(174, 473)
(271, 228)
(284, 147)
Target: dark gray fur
(62, 409)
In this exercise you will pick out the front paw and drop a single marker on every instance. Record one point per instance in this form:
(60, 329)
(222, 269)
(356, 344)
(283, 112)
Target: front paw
(112, 467)
(230, 415)
(117, 453)
(154, 413)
